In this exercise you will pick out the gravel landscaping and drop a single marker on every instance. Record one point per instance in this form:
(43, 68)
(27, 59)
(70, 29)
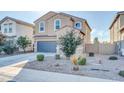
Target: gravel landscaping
(108, 69)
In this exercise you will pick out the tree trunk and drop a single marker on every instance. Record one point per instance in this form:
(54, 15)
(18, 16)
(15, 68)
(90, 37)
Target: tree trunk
(24, 50)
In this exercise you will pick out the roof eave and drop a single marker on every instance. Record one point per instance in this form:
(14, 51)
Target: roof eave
(17, 21)
(116, 17)
(114, 20)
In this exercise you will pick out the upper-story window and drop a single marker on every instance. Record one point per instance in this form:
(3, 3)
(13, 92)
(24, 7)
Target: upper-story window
(57, 24)
(5, 28)
(78, 25)
(42, 26)
(10, 27)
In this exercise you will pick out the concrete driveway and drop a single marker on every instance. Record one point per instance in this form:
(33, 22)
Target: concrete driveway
(6, 61)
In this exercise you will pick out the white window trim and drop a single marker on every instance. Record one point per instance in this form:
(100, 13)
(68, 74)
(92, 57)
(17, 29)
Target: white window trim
(5, 26)
(80, 25)
(55, 24)
(44, 26)
(10, 27)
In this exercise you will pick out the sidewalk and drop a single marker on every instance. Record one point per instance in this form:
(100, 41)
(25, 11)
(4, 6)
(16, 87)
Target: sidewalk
(29, 75)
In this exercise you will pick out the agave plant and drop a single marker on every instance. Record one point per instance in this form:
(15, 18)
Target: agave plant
(74, 60)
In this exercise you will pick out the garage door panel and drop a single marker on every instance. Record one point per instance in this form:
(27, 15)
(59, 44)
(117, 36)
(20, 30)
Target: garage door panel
(43, 46)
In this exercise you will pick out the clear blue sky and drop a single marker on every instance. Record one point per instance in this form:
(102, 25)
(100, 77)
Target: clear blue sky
(99, 21)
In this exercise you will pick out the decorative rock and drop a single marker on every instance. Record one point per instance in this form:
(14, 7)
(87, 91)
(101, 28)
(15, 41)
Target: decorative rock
(57, 65)
(75, 68)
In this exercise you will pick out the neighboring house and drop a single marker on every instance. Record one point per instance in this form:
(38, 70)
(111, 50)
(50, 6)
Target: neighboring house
(52, 25)
(117, 31)
(13, 28)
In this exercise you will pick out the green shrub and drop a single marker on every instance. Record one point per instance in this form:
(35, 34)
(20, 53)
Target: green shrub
(81, 61)
(9, 49)
(91, 54)
(23, 42)
(69, 43)
(1, 49)
(121, 73)
(40, 57)
(113, 58)
(57, 56)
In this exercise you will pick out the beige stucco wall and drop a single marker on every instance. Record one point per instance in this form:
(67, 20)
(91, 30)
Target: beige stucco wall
(87, 38)
(121, 20)
(23, 30)
(49, 19)
(65, 20)
(122, 35)
(122, 25)
(107, 49)
(49, 25)
(115, 31)
(111, 35)
(13, 26)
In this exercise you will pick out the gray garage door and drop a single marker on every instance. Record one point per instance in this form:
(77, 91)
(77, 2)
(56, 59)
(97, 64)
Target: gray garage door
(43, 46)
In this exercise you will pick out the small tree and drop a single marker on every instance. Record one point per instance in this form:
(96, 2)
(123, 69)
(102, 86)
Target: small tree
(23, 42)
(69, 43)
(2, 39)
(96, 40)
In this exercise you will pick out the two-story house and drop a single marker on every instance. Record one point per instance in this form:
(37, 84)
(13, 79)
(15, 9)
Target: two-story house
(117, 28)
(13, 28)
(49, 27)
(117, 31)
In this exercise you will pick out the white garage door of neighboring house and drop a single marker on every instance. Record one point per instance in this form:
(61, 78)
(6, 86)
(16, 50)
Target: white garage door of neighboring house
(46, 46)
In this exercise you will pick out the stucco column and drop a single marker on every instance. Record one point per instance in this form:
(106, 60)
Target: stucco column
(57, 49)
(35, 46)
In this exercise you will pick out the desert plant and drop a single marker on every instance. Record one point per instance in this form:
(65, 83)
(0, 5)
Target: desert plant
(40, 57)
(8, 49)
(1, 50)
(81, 61)
(69, 42)
(113, 58)
(2, 39)
(121, 73)
(74, 59)
(57, 56)
(23, 42)
(96, 40)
